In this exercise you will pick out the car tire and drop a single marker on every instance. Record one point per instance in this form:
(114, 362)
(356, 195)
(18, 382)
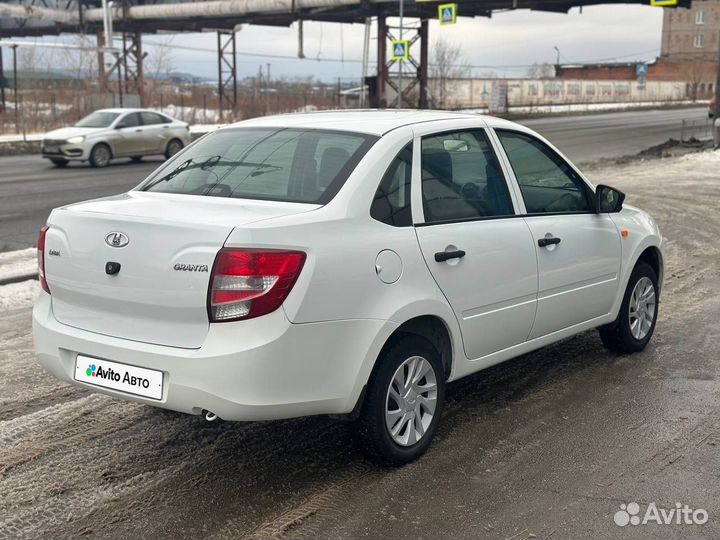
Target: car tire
(100, 155)
(59, 162)
(635, 323)
(136, 159)
(173, 147)
(412, 420)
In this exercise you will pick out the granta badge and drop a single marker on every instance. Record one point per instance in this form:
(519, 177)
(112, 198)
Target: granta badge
(182, 267)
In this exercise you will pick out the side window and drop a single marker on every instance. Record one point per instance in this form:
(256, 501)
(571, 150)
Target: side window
(130, 120)
(461, 178)
(391, 204)
(548, 184)
(151, 118)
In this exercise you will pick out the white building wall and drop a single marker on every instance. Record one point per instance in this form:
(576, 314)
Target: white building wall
(475, 93)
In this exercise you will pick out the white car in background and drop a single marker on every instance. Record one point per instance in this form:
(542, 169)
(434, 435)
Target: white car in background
(108, 134)
(343, 263)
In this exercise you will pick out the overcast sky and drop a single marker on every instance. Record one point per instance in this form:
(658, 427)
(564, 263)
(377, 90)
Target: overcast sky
(506, 43)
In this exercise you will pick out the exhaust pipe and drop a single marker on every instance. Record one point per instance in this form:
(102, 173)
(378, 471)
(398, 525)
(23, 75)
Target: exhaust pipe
(210, 416)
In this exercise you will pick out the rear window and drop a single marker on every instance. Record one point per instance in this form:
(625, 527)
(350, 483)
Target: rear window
(294, 165)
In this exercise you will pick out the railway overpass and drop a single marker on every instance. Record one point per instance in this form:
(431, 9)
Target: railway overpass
(133, 18)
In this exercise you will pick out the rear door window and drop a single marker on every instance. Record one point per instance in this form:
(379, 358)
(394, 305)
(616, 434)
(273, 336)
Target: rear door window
(296, 165)
(461, 178)
(391, 204)
(151, 118)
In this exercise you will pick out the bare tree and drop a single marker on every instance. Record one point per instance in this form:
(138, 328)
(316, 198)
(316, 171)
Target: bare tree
(82, 64)
(158, 65)
(544, 70)
(694, 72)
(446, 63)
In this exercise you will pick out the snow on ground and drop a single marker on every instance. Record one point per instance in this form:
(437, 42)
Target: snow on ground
(703, 158)
(18, 263)
(17, 295)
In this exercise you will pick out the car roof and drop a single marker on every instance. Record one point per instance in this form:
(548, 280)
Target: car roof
(370, 121)
(125, 110)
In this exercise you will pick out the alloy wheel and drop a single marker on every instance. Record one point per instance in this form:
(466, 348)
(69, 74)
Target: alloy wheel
(101, 156)
(642, 308)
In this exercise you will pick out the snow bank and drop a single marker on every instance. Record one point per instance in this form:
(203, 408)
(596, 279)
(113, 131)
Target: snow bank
(18, 295)
(708, 157)
(18, 263)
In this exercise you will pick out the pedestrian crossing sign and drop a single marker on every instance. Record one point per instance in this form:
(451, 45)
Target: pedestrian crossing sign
(447, 14)
(400, 50)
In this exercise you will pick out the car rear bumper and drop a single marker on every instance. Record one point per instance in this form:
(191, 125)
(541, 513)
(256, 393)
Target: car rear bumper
(261, 369)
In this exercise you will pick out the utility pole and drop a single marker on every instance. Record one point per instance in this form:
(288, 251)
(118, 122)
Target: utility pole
(15, 90)
(716, 135)
(400, 81)
(2, 83)
(366, 52)
(267, 89)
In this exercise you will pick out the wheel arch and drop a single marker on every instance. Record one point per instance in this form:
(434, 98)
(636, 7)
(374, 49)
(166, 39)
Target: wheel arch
(654, 257)
(103, 142)
(430, 327)
(174, 138)
(648, 250)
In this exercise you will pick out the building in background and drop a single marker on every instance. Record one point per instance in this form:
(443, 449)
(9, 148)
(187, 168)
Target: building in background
(689, 53)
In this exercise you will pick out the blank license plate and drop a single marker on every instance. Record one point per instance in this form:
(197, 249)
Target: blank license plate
(129, 379)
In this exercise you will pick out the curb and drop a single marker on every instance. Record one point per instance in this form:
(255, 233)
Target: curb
(18, 279)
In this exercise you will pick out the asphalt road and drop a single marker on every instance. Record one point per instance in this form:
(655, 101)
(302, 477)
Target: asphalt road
(30, 187)
(548, 445)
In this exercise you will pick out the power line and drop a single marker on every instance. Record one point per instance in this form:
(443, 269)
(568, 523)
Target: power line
(359, 61)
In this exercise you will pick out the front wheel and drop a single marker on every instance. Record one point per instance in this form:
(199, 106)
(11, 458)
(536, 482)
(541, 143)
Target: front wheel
(100, 155)
(403, 402)
(635, 323)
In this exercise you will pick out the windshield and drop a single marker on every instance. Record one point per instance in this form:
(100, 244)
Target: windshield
(98, 120)
(279, 164)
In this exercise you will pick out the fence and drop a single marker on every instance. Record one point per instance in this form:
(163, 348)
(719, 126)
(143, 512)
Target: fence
(40, 110)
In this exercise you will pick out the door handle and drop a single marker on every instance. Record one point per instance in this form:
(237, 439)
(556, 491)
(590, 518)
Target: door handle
(138, 131)
(549, 241)
(442, 256)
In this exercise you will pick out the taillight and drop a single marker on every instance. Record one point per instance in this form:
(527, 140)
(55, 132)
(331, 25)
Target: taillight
(247, 283)
(41, 259)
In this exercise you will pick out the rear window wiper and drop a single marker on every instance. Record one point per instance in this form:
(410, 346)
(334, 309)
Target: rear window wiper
(211, 162)
(185, 165)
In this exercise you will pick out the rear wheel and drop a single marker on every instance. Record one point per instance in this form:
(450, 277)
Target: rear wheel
(403, 402)
(100, 155)
(635, 323)
(59, 162)
(173, 147)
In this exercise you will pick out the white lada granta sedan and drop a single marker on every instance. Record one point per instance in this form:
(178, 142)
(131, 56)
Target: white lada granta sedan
(344, 263)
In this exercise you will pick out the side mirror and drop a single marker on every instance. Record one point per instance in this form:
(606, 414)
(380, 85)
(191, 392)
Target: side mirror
(607, 199)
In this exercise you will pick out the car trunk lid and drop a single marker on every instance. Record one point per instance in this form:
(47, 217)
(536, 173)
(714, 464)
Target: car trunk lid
(162, 246)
